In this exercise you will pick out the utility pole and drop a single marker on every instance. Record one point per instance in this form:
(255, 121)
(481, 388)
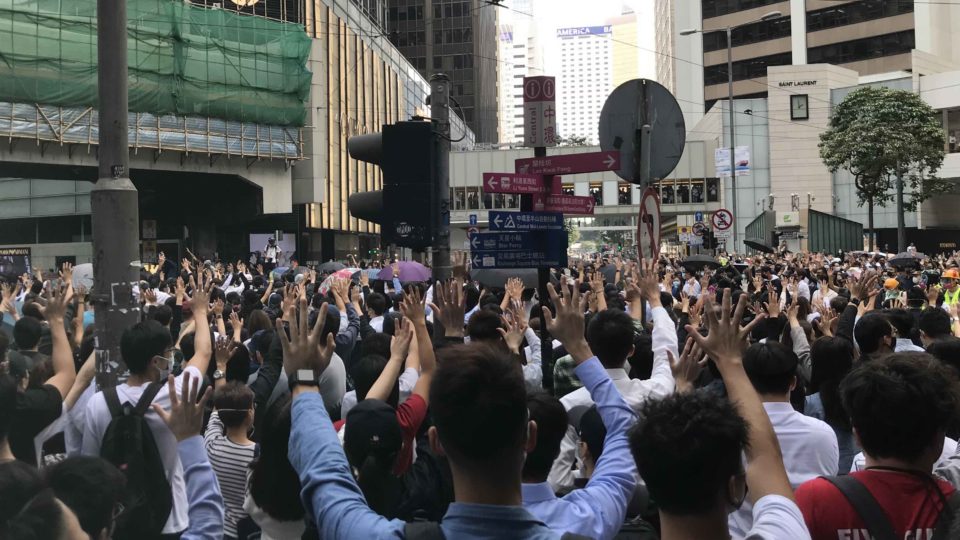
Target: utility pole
(901, 220)
(440, 115)
(733, 145)
(113, 199)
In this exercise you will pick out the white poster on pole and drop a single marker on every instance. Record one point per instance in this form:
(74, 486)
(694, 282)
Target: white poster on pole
(721, 161)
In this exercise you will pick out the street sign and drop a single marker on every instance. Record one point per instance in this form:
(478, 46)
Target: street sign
(699, 229)
(472, 230)
(568, 204)
(522, 184)
(570, 163)
(631, 106)
(518, 259)
(525, 221)
(648, 226)
(684, 233)
(473, 219)
(722, 220)
(550, 241)
(723, 235)
(539, 111)
(698, 217)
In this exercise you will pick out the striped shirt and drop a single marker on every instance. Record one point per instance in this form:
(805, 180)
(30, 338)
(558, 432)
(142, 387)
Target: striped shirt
(231, 462)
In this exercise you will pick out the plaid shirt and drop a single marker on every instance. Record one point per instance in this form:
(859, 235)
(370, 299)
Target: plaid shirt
(564, 378)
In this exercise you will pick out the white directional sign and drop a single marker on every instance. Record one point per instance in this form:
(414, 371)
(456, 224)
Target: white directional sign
(539, 111)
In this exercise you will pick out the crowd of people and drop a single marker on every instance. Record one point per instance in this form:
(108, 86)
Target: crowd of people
(784, 396)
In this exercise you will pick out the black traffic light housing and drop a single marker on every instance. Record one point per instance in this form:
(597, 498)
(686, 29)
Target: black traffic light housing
(406, 207)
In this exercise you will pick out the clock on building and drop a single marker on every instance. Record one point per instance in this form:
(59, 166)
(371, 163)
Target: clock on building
(798, 107)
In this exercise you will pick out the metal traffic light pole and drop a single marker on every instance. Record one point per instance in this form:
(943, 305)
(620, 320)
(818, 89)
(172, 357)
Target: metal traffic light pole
(113, 199)
(440, 117)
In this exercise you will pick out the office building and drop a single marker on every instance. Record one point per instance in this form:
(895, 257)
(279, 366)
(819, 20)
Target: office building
(867, 36)
(634, 44)
(521, 55)
(457, 38)
(585, 81)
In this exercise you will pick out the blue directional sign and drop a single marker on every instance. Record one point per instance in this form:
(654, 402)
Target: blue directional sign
(532, 249)
(552, 241)
(526, 221)
(698, 217)
(473, 219)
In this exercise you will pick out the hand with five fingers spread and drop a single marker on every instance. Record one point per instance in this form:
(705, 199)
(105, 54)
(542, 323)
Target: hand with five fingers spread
(185, 418)
(512, 334)
(449, 306)
(687, 369)
(304, 349)
(726, 340)
(568, 324)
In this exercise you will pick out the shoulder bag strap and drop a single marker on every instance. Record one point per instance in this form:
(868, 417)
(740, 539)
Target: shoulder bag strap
(147, 398)
(113, 401)
(865, 505)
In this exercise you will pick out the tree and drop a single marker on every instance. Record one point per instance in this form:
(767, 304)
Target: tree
(573, 232)
(572, 140)
(885, 138)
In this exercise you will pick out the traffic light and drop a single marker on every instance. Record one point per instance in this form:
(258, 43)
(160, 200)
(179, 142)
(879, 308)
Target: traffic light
(406, 208)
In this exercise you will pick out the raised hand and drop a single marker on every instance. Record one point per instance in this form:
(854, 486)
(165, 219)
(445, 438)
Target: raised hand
(223, 351)
(7, 304)
(449, 306)
(304, 349)
(149, 297)
(513, 334)
(218, 306)
(185, 418)
(66, 273)
(400, 343)
(460, 260)
(201, 296)
(567, 326)
(515, 288)
(726, 340)
(688, 367)
(825, 322)
(413, 307)
(773, 302)
(56, 308)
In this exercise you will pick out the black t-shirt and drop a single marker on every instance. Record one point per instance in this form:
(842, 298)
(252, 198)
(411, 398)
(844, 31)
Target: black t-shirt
(37, 408)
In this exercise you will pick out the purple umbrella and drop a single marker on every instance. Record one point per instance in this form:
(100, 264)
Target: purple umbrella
(409, 271)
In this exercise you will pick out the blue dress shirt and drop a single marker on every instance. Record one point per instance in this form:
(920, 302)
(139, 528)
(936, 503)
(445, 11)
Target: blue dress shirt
(331, 496)
(205, 509)
(599, 509)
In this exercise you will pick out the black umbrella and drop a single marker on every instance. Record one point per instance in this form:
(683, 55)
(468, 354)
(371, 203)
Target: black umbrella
(759, 246)
(330, 267)
(695, 263)
(907, 260)
(497, 278)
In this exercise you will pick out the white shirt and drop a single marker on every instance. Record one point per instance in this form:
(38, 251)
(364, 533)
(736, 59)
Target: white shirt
(777, 518)
(408, 379)
(97, 418)
(825, 298)
(809, 447)
(377, 323)
(533, 371)
(906, 345)
(949, 449)
(691, 288)
(634, 391)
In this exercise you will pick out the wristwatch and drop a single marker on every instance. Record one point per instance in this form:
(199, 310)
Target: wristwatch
(306, 377)
(855, 301)
(217, 375)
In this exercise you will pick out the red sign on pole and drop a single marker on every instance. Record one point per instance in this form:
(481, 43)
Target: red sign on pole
(522, 184)
(570, 163)
(568, 204)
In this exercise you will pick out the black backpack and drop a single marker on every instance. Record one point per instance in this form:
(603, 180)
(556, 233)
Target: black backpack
(128, 443)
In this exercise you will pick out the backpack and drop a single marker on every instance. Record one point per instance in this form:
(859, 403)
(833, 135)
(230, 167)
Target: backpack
(869, 510)
(430, 530)
(129, 444)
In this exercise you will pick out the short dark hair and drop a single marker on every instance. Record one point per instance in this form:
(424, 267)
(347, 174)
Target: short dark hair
(479, 406)
(32, 310)
(483, 326)
(551, 419)
(376, 343)
(771, 367)
(19, 482)
(27, 332)
(687, 447)
(831, 358)
(365, 372)
(162, 314)
(839, 303)
(377, 303)
(141, 342)
(947, 350)
(935, 323)
(232, 401)
(610, 336)
(903, 321)
(274, 484)
(870, 331)
(91, 487)
(40, 517)
(899, 403)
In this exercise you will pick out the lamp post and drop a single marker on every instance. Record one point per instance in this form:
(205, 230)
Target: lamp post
(733, 160)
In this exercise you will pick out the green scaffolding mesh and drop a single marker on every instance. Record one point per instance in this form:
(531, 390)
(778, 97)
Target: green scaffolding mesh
(183, 59)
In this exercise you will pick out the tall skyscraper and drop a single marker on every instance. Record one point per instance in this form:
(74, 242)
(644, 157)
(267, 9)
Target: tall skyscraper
(458, 38)
(586, 79)
(521, 55)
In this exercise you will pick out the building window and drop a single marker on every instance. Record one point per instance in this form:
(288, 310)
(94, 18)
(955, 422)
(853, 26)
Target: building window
(751, 33)
(855, 12)
(715, 8)
(862, 49)
(952, 119)
(748, 69)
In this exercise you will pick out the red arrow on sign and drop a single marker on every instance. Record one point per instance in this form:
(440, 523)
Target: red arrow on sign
(568, 204)
(513, 183)
(570, 163)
